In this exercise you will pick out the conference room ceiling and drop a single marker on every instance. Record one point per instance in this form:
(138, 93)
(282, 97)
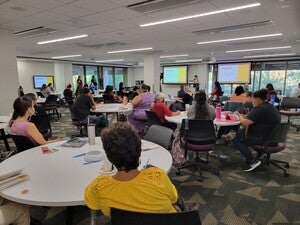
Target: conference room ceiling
(113, 25)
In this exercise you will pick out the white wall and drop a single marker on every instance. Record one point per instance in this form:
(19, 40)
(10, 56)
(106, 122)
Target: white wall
(9, 75)
(62, 73)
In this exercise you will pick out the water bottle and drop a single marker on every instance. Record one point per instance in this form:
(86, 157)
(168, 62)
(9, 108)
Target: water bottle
(91, 134)
(272, 99)
(218, 112)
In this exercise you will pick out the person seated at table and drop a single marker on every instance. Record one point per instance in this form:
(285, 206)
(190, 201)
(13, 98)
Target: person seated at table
(257, 125)
(69, 95)
(19, 125)
(37, 108)
(181, 102)
(148, 190)
(271, 92)
(201, 110)
(135, 92)
(161, 110)
(108, 95)
(140, 103)
(248, 105)
(13, 213)
(43, 90)
(82, 107)
(216, 92)
(92, 88)
(50, 89)
(181, 92)
(238, 95)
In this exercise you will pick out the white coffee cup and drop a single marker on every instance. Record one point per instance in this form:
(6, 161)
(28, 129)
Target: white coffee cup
(107, 165)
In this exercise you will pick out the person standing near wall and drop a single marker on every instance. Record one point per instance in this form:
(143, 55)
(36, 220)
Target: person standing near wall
(196, 83)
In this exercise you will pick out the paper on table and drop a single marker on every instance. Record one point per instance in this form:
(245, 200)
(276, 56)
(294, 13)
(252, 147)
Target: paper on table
(148, 145)
(4, 119)
(11, 179)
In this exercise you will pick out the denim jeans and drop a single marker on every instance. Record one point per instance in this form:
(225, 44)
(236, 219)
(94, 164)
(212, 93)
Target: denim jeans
(242, 145)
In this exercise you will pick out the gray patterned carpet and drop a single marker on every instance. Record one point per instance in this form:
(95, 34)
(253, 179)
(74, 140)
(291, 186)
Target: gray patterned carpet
(263, 196)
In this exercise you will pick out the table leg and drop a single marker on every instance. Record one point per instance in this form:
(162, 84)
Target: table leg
(69, 220)
(5, 139)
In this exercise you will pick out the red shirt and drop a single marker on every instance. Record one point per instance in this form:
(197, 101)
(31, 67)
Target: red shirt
(161, 111)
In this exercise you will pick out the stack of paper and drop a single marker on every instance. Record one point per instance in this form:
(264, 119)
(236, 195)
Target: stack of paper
(12, 178)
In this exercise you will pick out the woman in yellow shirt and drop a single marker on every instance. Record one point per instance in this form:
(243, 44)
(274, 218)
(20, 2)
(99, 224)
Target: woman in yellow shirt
(149, 190)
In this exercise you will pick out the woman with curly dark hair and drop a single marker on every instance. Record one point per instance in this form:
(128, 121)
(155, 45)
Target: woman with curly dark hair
(201, 110)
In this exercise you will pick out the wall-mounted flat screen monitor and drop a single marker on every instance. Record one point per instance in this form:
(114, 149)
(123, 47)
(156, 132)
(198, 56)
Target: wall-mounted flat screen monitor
(39, 80)
(175, 74)
(234, 73)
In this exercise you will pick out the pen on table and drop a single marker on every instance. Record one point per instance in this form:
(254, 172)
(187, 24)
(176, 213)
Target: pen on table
(79, 155)
(91, 162)
(147, 163)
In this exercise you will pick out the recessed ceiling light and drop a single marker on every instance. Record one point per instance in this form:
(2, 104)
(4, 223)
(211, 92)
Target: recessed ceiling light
(241, 38)
(189, 60)
(130, 50)
(62, 39)
(111, 60)
(200, 15)
(65, 56)
(269, 55)
(173, 56)
(258, 49)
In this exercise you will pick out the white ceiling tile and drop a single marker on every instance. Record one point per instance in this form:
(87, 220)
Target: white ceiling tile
(13, 10)
(98, 18)
(71, 11)
(125, 2)
(95, 5)
(121, 13)
(41, 4)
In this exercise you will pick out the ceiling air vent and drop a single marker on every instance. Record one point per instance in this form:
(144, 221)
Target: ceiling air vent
(103, 45)
(160, 5)
(35, 32)
(235, 28)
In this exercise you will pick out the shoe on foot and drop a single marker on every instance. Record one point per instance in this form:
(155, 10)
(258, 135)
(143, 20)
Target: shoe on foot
(252, 166)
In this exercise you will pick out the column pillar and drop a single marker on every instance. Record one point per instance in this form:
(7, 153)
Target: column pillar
(152, 71)
(8, 72)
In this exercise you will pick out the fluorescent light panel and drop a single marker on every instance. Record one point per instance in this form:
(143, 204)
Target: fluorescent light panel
(130, 50)
(241, 38)
(65, 56)
(258, 49)
(173, 56)
(201, 15)
(189, 60)
(111, 60)
(62, 39)
(270, 55)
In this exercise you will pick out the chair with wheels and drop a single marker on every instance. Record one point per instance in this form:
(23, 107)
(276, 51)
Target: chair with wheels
(275, 142)
(22, 142)
(159, 135)
(198, 136)
(121, 217)
(80, 124)
(51, 106)
(290, 106)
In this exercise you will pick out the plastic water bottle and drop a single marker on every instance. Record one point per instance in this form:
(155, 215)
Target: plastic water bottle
(218, 112)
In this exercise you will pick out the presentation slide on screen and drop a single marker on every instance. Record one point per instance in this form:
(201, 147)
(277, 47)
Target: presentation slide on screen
(175, 74)
(40, 80)
(234, 73)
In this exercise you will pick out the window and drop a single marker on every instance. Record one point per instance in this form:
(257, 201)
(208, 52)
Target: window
(78, 70)
(292, 77)
(274, 73)
(89, 72)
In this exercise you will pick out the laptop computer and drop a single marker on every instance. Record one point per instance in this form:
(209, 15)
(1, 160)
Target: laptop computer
(75, 142)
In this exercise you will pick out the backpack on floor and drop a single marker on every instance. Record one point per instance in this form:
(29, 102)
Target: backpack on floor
(178, 151)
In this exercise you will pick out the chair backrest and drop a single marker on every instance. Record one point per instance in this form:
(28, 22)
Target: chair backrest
(121, 217)
(232, 106)
(108, 98)
(152, 118)
(42, 122)
(278, 134)
(198, 132)
(290, 102)
(159, 135)
(22, 142)
(51, 100)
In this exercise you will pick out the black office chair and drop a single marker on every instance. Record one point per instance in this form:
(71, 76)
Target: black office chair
(51, 106)
(286, 105)
(42, 122)
(159, 135)
(232, 106)
(152, 118)
(275, 142)
(80, 124)
(122, 217)
(198, 136)
(22, 142)
(40, 94)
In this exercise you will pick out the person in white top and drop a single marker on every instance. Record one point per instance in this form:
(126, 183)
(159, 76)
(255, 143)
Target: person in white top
(296, 92)
(13, 213)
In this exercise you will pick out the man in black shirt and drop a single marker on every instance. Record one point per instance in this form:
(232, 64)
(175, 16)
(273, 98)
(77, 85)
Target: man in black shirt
(260, 122)
(82, 106)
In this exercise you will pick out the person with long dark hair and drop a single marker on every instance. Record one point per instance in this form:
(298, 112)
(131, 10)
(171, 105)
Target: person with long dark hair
(257, 125)
(217, 92)
(201, 110)
(238, 95)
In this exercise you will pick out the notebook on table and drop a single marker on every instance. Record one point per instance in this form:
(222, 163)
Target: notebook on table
(75, 142)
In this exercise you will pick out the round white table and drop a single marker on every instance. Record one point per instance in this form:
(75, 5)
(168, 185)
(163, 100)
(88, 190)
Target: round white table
(114, 108)
(41, 100)
(59, 179)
